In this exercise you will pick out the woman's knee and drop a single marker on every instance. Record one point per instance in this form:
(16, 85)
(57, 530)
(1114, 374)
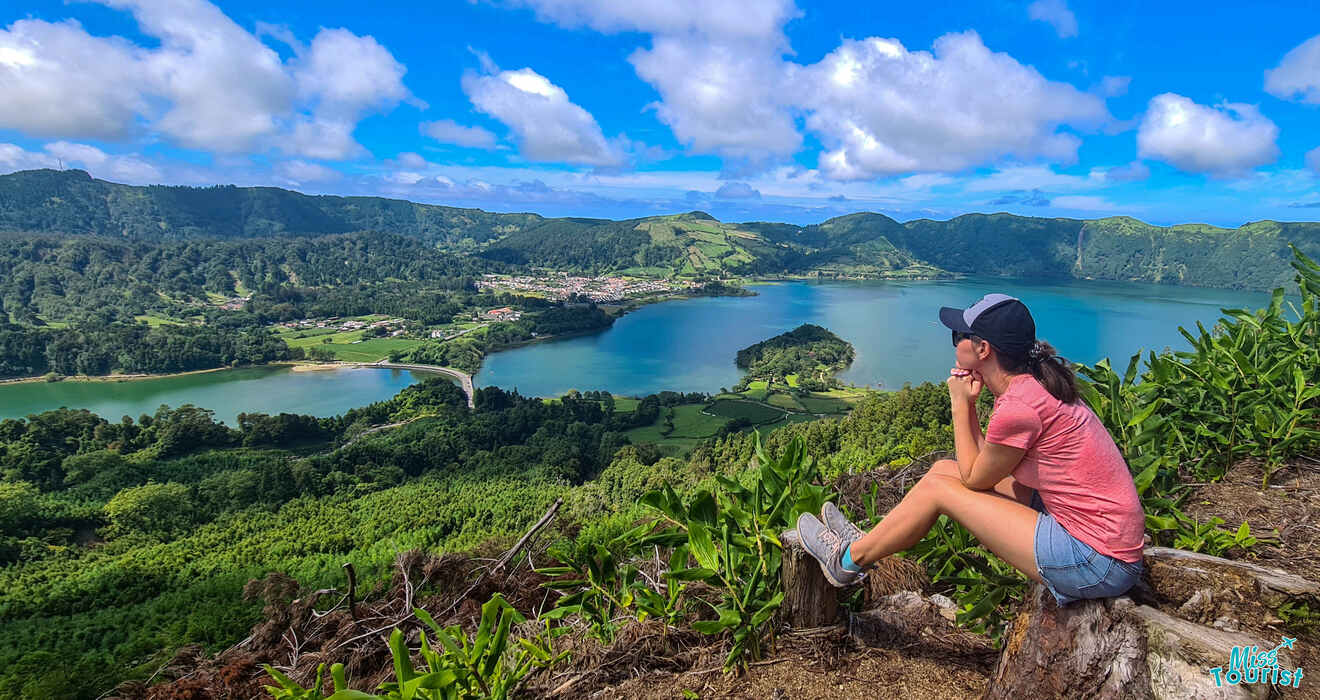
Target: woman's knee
(942, 489)
(944, 467)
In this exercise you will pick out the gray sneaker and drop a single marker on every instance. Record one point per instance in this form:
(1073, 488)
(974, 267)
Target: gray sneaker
(839, 524)
(827, 548)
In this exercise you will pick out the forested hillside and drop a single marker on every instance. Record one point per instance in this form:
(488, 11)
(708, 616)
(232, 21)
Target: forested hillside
(1254, 256)
(72, 202)
(48, 277)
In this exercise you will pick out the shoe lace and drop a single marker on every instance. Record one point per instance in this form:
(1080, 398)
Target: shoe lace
(832, 541)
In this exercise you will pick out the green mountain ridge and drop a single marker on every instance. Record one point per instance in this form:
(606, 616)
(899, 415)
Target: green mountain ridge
(865, 244)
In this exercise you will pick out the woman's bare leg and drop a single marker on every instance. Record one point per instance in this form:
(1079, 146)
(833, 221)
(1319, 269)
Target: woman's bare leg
(1000, 519)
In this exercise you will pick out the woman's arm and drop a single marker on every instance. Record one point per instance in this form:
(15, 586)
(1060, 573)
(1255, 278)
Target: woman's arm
(981, 464)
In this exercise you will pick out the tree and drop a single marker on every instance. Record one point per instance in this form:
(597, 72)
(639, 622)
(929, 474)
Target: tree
(158, 509)
(18, 506)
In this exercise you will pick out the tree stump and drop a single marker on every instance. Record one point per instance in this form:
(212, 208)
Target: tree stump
(809, 599)
(1122, 648)
(922, 626)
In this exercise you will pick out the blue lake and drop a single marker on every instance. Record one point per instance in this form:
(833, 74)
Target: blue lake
(689, 345)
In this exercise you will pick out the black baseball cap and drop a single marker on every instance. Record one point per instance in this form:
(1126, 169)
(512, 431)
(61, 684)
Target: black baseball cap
(1000, 319)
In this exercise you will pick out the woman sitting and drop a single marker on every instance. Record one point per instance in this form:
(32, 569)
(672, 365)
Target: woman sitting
(1044, 487)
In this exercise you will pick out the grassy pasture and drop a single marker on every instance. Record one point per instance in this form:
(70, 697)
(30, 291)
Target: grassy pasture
(785, 401)
(754, 412)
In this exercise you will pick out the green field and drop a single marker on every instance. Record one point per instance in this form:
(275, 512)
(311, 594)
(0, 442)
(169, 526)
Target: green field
(157, 320)
(315, 336)
(757, 390)
(342, 345)
(623, 404)
(372, 350)
(785, 401)
(689, 423)
(752, 411)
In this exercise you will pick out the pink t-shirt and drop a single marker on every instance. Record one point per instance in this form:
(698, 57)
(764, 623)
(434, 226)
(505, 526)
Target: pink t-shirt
(1073, 463)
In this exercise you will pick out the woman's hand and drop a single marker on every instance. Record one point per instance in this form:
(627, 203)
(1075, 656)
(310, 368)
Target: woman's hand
(965, 385)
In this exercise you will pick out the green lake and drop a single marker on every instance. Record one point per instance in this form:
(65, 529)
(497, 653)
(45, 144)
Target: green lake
(689, 345)
(227, 392)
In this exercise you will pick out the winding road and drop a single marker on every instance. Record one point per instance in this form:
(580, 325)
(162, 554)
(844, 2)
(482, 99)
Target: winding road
(465, 378)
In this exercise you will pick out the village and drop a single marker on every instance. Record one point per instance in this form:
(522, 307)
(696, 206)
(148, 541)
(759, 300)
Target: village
(597, 289)
(393, 326)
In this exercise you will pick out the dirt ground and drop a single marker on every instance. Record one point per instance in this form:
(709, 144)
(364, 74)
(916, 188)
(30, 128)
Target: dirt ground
(862, 675)
(1285, 515)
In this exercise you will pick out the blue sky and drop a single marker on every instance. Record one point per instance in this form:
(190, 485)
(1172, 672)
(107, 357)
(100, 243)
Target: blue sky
(748, 109)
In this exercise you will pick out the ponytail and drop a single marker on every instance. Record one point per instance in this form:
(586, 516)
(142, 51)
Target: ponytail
(1044, 363)
(1052, 371)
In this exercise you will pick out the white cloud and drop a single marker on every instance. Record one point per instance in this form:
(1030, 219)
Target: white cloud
(737, 190)
(881, 109)
(300, 171)
(77, 153)
(728, 18)
(1086, 203)
(1298, 74)
(14, 157)
(412, 161)
(1226, 140)
(1057, 14)
(342, 76)
(1136, 170)
(547, 125)
(1313, 159)
(206, 83)
(1031, 177)
(129, 168)
(1114, 85)
(717, 66)
(323, 139)
(61, 82)
(349, 73)
(449, 131)
(224, 88)
(727, 97)
(727, 89)
(405, 177)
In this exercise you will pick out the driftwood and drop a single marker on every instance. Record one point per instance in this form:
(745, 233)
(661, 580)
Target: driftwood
(1132, 647)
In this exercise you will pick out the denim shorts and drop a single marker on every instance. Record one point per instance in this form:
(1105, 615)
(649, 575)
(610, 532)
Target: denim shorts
(1072, 569)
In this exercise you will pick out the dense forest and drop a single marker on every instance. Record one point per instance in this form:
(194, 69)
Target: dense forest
(1254, 256)
(133, 348)
(137, 535)
(809, 352)
(48, 278)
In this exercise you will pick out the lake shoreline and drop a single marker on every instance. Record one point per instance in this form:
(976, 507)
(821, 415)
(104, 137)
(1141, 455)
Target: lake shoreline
(298, 366)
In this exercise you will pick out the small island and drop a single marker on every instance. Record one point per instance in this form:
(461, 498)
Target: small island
(805, 358)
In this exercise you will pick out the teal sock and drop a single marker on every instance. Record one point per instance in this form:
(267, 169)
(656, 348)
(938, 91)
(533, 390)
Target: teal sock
(848, 564)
